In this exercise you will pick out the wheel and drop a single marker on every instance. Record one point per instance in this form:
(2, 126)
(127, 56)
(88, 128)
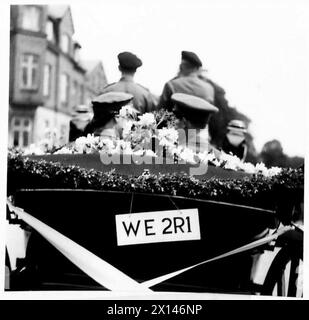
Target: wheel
(284, 277)
(8, 270)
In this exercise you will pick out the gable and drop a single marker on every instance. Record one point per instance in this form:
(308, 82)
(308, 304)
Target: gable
(67, 22)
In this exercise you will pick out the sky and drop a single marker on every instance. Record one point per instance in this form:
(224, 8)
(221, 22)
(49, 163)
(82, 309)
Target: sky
(256, 50)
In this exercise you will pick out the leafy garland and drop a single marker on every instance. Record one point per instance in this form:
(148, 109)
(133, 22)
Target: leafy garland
(259, 190)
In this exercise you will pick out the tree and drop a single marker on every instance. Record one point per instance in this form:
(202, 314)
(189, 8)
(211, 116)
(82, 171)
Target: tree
(272, 155)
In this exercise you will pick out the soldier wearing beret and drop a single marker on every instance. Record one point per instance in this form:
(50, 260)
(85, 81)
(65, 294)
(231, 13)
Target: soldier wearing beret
(143, 100)
(193, 113)
(187, 82)
(106, 108)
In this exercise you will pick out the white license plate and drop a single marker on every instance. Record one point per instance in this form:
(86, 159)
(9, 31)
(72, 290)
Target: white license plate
(157, 226)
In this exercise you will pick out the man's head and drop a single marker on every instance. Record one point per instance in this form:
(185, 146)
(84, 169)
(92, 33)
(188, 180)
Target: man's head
(128, 62)
(190, 62)
(236, 132)
(107, 105)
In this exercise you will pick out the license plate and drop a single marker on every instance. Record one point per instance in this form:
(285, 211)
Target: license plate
(157, 226)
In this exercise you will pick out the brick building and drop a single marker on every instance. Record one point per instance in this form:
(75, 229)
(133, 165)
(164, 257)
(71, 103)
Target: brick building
(47, 77)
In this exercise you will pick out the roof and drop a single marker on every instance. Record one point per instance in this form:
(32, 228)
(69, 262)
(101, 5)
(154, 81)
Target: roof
(57, 11)
(89, 65)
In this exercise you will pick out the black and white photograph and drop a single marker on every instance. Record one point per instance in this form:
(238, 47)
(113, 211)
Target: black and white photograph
(154, 150)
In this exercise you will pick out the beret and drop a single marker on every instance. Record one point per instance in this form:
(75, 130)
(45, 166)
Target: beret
(189, 103)
(192, 58)
(129, 60)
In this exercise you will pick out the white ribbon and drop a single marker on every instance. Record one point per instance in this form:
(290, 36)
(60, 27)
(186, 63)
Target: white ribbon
(246, 247)
(98, 269)
(107, 275)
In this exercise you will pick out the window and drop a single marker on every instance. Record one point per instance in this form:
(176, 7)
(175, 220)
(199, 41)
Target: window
(47, 80)
(75, 92)
(31, 18)
(65, 43)
(64, 88)
(81, 96)
(21, 128)
(63, 133)
(50, 31)
(29, 71)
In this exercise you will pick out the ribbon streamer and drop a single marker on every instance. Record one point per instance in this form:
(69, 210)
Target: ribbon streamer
(251, 245)
(98, 269)
(109, 276)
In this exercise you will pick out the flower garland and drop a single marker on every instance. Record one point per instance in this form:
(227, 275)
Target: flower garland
(138, 137)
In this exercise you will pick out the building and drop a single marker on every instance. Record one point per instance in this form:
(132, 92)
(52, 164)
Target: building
(47, 77)
(95, 79)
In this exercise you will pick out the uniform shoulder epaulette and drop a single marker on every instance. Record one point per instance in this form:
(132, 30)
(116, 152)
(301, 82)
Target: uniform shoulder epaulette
(108, 85)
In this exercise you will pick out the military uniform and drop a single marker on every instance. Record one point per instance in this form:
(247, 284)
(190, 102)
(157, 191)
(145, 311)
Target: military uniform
(105, 108)
(143, 100)
(190, 84)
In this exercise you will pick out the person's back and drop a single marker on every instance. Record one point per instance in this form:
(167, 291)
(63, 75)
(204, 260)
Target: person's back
(188, 82)
(193, 85)
(143, 100)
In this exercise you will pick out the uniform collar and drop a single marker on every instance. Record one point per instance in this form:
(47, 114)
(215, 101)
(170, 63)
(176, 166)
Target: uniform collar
(127, 77)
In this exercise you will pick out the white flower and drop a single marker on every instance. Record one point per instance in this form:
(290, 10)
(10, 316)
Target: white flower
(187, 155)
(261, 168)
(80, 144)
(231, 162)
(64, 150)
(34, 149)
(248, 167)
(273, 171)
(124, 147)
(167, 136)
(127, 111)
(139, 152)
(147, 119)
(150, 153)
(126, 127)
(205, 157)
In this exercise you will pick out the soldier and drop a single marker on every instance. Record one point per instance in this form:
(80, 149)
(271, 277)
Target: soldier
(143, 100)
(81, 116)
(106, 108)
(235, 139)
(193, 113)
(188, 82)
